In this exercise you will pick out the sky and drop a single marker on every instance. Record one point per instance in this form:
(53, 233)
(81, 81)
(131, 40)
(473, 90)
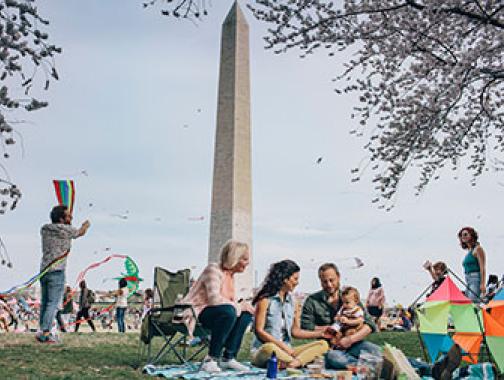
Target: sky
(132, 121)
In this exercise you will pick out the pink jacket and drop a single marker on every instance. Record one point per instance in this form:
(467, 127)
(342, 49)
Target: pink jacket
(376, 297)
(206, 291)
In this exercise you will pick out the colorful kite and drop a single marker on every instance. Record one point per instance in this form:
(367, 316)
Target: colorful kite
(471, 325)
(131, 275)
(493, 316)
(65, 191)
(446, 302)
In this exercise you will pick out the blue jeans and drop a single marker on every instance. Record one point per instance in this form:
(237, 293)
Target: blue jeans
(473, 290)
(339, 359)
(52, 286)
(120, 311)
(226, 329)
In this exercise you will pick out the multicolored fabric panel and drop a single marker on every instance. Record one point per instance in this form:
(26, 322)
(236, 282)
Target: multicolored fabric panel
(65, 192)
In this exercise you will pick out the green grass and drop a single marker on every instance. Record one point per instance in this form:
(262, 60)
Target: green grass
(111, 355)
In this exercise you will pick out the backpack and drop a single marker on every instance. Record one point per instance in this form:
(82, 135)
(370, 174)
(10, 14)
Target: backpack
(90, 297)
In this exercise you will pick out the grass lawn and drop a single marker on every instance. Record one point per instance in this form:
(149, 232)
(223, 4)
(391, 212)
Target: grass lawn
(111, 355)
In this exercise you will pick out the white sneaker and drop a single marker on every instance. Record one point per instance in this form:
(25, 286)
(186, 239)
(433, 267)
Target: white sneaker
(210, 365)
(234, 365)
(57, 338)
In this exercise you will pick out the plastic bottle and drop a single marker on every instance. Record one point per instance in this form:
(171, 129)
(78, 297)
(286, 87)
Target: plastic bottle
(272, 367)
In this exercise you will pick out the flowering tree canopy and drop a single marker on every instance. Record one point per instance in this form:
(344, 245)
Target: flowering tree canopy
(429, 75)
(24, 51)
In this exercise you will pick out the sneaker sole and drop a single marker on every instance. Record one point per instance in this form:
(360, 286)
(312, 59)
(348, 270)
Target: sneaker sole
(235, 369)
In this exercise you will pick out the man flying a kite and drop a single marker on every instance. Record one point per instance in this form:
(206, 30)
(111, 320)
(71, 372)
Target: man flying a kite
(56, 243)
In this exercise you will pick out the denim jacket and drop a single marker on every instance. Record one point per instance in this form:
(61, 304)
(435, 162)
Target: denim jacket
(273, 322)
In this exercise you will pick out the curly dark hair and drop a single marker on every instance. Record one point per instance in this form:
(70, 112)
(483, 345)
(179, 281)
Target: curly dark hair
(148, 293)
(123, 283)
(375, 283)
(474, 237)
(275, 278)
(58, 213)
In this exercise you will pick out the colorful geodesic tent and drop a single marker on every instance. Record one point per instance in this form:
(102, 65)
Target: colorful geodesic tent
(493, 317)
(446, 304)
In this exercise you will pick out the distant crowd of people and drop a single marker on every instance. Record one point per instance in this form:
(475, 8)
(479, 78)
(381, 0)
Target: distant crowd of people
(20, 315)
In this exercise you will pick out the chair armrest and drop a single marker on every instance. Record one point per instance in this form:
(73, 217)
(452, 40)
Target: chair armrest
(172, 308)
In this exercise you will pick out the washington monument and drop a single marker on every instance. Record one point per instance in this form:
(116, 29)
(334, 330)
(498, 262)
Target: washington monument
(231, 216)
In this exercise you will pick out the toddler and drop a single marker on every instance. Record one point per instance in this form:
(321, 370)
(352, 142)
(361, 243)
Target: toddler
(350, 317)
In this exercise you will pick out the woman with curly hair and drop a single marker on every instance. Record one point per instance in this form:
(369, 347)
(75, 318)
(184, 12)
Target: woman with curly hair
(277, 321)
(473, 264)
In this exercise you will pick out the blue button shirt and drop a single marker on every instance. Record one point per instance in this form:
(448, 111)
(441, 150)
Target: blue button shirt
(279, 320)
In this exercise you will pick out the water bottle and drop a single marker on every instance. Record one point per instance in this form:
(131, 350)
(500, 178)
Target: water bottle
(272, 370)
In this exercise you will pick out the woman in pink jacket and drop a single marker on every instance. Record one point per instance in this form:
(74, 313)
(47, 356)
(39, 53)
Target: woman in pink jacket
(213, 299)
(375, 302)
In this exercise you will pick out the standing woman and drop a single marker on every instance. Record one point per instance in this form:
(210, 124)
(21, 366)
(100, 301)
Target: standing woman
(474, 264)
(121, 304)
(375, 302)
(277, 321)
(213, 299)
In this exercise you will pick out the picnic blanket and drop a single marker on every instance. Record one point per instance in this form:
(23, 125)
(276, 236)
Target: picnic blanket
(190, 371)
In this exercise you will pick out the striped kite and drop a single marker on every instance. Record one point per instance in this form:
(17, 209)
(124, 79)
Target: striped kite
(65, 191)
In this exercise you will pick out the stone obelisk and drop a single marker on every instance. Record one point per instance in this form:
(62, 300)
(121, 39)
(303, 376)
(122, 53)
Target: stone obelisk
(231, 216)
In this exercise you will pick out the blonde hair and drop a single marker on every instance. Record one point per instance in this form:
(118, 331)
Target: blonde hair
(231, 253)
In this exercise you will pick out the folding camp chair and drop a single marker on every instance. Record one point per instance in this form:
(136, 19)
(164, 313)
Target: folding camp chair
(165, 321)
